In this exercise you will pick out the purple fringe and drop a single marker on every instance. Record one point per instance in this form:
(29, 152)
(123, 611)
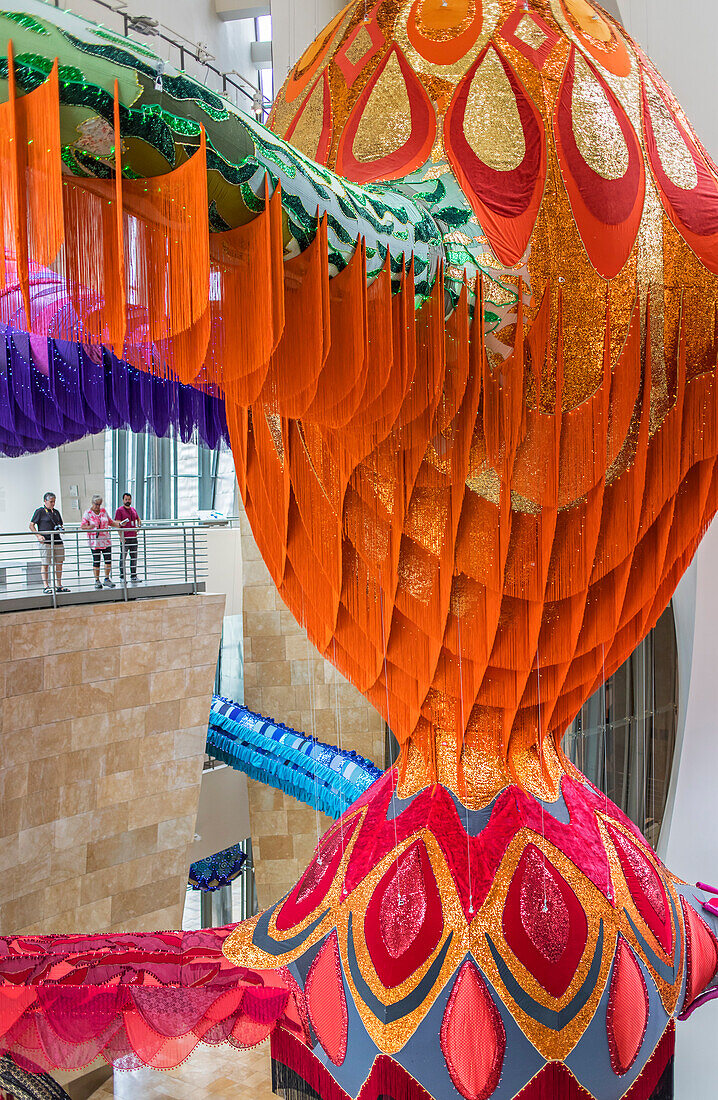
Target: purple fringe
(83, 393)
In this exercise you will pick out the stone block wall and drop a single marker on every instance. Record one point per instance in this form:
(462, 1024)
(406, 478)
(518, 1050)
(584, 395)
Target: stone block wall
(103, 726)
(287, 680)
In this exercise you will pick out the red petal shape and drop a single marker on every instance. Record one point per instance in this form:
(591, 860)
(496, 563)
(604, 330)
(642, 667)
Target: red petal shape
(607, 211)
(627, 1011)
(314, 884)
(404, 920)
(646, 887)
(473, 1037)
(413, 152)
(326, 1003)
(505, 202)
(693, 211)
(544, 923)
(325, 136)
(544, 914)
(702, 954)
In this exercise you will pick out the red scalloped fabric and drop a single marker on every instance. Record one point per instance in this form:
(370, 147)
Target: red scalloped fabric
(134, 1000)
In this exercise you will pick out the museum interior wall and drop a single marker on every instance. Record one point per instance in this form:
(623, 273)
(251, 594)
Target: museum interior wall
(102, 736)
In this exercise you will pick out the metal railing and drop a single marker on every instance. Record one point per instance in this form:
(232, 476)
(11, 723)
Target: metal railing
(207, 73)
(164, 559)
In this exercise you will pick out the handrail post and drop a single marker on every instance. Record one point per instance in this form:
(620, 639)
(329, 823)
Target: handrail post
(194, 559)
(184, 544)
(144, 551)
(51, 570)
(77, 556)
(123, 563)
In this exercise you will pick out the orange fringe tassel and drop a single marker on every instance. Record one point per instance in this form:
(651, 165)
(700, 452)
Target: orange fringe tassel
(465, 549)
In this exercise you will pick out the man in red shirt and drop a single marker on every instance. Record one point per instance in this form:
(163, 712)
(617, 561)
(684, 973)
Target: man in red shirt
(129, 521)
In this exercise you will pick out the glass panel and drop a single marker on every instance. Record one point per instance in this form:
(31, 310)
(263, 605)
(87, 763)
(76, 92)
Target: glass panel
(623, 738)
(168, 479)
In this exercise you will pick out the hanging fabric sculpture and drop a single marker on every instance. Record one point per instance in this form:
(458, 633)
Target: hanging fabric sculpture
(218, 870)
(473, 407)
(329, 779)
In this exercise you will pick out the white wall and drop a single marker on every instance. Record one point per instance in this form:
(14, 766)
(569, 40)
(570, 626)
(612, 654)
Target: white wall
(680, 38)
(224, 566)
(23, 483)
(223, 814)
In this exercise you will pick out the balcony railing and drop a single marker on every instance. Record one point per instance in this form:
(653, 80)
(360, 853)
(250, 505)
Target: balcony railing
(191, 58)
(165, 559)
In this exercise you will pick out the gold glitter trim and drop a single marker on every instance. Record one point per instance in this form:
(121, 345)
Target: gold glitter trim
(492, 125)
(676, 160)
(385, 124)
(308, 130)
(529, 32)
(597, 131)
(274, 423)
(359, 47)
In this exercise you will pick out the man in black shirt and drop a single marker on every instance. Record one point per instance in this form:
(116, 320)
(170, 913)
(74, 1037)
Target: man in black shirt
(45, 520)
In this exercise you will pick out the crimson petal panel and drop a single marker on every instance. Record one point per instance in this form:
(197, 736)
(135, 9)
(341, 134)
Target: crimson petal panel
(326, 1003)
(686, 184)
(315, 883)
(602, 165)
(544, 923)
(646, 888)
(627, 1010)
(404, 921)
(502, 173)
(702, 955)
(387, 135)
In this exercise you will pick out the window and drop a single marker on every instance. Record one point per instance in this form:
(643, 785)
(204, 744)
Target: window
(168, 479)
(624, 737)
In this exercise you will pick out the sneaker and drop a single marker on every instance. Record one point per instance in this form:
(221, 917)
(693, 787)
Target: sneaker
(61, 589)
(98, 584)
(47, 591)
(134, 580)
(108, 583)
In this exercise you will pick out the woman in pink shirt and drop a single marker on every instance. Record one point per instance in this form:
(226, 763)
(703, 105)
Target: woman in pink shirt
(97, 523)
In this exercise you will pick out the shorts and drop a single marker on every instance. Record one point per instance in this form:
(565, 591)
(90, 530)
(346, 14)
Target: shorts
(98, 552)
(48, 555)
